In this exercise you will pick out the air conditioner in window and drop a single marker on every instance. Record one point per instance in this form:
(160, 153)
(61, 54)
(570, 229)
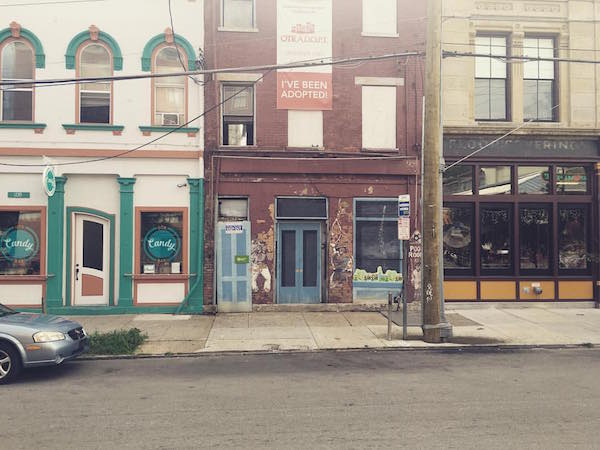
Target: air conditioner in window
(170, 119)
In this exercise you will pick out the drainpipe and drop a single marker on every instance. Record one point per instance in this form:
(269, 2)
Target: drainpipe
(198, 285)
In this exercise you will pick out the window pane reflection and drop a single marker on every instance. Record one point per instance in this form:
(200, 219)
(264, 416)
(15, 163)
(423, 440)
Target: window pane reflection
(535, 238)
(495, 180)
(495, 224)
(571, 180)
(572, 237)
(458, 236)
(534, 180)
(458, 180)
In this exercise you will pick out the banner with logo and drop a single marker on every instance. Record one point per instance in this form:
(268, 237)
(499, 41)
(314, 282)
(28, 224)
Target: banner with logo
(162, 244)
(304, 33)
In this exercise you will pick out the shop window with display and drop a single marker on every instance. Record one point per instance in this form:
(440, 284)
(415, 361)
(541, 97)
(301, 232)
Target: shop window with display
(21, 246)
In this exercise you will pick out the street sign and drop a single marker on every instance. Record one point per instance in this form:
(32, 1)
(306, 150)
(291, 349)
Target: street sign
(19, 194)
(404, 228)
(49, 181)
(404, 205)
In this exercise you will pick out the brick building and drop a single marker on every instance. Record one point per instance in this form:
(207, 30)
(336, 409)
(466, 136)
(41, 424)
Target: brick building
(304, 167)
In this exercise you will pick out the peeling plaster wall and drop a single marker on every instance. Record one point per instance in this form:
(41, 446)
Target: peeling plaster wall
(340, 255)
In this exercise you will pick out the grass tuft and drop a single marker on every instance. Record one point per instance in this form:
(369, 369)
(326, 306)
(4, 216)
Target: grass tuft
(118, 342)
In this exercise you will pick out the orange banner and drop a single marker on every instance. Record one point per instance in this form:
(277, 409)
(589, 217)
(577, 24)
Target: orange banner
(304, 90)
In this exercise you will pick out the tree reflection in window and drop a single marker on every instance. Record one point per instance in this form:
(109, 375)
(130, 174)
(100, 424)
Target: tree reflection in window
(495, 238)
(534, 233)
(457, 238)
(572, 238)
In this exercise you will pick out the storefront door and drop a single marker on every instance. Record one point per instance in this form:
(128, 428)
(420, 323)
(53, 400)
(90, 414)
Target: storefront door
(299, 263)
(91, 260)
(233, 267)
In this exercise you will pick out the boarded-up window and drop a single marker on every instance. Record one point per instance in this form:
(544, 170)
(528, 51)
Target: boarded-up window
(380, 17)
(379, 117)
(305, 128)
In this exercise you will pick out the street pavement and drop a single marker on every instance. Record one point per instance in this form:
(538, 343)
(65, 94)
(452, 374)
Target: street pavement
(450, 398)
(539, 325)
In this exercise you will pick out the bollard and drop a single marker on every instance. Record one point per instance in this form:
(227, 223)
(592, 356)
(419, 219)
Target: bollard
(389, 331)
(404, 318)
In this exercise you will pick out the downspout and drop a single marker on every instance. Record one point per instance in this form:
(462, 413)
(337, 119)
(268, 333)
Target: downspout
(199, 283)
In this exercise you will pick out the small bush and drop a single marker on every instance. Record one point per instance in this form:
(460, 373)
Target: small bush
(118, 342)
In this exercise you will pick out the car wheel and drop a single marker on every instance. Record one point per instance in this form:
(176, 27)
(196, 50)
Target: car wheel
(10, 363)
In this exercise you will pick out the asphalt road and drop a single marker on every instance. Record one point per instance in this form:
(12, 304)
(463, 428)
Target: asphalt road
(501, 399)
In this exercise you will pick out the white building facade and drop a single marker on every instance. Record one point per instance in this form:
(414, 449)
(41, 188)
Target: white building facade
(122, 231)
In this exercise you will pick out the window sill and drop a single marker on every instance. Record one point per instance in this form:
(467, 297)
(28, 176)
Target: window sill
(36, 127)
(148, 129)
(379, 35)
(237, 147)
(380, 150)
(71, 128)
(23, 278)
(238, 30)
(162, 277)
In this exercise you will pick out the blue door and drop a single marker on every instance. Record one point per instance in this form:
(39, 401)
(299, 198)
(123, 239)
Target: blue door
(233, 267)
(299, 263)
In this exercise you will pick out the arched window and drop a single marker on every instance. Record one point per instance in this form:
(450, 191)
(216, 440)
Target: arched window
(170, 93)
(95, 60)
(16, 64)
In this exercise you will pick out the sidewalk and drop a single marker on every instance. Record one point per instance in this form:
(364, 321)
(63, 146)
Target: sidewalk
(305, 331)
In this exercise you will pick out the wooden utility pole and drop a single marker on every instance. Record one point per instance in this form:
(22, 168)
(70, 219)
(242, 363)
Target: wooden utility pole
(432, 189)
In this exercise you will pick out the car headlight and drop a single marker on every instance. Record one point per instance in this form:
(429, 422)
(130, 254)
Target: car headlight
(48, 336)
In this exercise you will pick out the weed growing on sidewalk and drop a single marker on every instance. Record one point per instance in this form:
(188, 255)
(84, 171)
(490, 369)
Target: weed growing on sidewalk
(118, 342)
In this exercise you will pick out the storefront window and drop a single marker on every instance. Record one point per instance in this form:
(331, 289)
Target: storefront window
(495, 180)
(572, 237)
(20, 248)
(535, 238)
(496, 237)
(571, 180)
(458, 180)
(161, 242)
(458, 237)
(376, 241)
(534, 180)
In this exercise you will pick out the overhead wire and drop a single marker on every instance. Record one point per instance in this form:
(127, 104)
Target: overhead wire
(196, 81)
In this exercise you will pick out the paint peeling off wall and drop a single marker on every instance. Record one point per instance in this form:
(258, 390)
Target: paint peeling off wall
(340, 254)
(263, 255)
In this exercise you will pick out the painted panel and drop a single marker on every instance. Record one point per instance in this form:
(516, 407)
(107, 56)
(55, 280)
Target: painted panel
(498, 290)
(575, 290)
(149, 293)
(460, 290)
(547, 290)
(21, 294)
(379, 117)
(305, 128)
(161, 191)
(91, 285)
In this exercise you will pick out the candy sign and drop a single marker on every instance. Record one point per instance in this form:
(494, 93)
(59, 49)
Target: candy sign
(162, 244)
(19, 243)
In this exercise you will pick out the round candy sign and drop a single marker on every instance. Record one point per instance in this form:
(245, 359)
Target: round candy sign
(162, 243)
(19, 243)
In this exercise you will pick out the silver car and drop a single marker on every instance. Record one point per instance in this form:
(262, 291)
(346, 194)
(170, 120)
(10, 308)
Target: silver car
(30, 340)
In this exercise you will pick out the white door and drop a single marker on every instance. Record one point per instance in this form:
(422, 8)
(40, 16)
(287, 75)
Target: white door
(91, 258)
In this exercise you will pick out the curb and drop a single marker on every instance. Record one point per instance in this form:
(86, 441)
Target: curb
(459, 348)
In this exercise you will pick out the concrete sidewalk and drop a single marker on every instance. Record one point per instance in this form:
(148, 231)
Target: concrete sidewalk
(305, 331)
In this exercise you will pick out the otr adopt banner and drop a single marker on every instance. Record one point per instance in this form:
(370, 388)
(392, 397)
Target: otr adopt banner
(304, 30)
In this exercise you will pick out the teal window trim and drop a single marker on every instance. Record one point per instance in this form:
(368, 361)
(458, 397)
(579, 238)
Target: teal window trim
(111, 271)
(40, 56)
(85, 36)
(92, 127)
(162, 129)
(160, 39)
(23, 126)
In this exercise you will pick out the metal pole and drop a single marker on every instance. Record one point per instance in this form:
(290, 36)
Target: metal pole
(404, 317)
(389, 314)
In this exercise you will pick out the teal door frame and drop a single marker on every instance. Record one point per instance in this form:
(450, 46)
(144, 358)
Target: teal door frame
(299, 292)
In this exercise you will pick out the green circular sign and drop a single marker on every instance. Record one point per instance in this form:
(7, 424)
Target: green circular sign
(49, 181)
(162, 243)
(19, 243)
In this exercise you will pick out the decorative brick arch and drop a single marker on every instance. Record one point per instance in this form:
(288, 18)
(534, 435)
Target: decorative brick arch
(16, 31)
(94, 34)
(169, 38)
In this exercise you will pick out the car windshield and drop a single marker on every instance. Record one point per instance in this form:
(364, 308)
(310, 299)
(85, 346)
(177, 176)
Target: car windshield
(5, 311)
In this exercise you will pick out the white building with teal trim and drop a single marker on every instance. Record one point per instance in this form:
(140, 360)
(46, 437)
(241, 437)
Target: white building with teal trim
(123, 230)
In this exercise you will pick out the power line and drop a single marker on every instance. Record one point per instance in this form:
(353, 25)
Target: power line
(124, 153)
(58, 2)
(508, 59)
(317, 62)
(465, 44)
(177, 48)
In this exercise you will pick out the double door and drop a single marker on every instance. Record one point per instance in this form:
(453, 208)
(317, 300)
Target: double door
(299, 262)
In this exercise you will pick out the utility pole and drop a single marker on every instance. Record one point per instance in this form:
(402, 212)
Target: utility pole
(432, 183)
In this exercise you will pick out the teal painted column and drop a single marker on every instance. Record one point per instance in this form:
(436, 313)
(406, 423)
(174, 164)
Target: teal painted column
(193, 302)
(55, 247)
(126, 224)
